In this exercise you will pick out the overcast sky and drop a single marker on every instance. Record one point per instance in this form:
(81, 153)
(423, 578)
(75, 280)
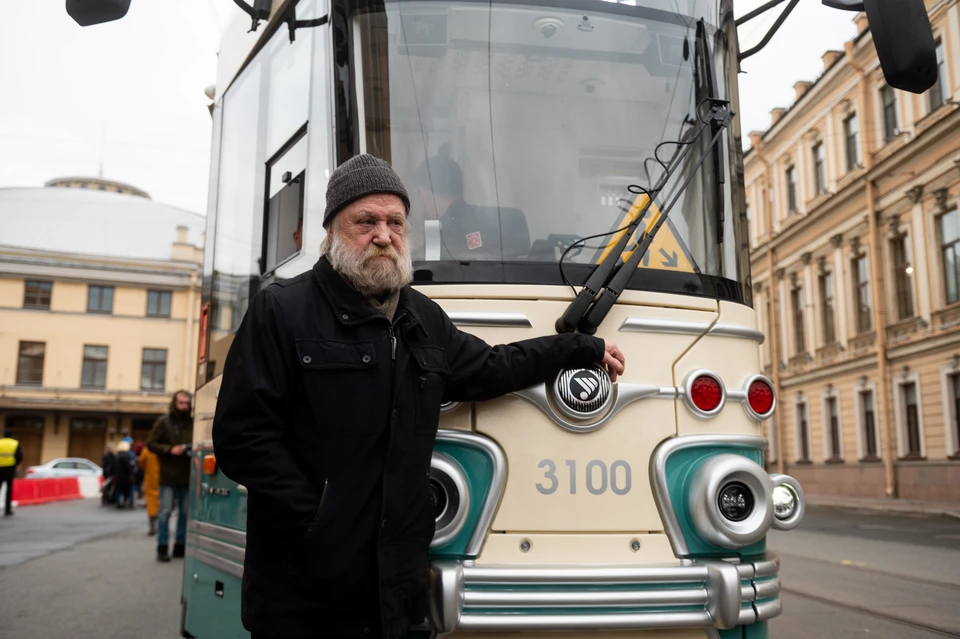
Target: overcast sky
(128, 96)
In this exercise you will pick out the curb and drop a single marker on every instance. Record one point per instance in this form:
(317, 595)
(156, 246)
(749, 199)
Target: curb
(888, 508)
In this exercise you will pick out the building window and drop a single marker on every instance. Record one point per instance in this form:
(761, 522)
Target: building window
(939, 92)
(827, 308)
(153, 374)
(803, 433)
(851, 131)
(950, 250)
(889, 100)
(792, 189)
(30, 363)
(100, 299)
(868, 424)
(903, 276)
(158, 303)
(796, 296)
(954, 382)
(94, 367)
(819, 169)
(36, 294)
(861, 283)
(911, 417)
(832, 417)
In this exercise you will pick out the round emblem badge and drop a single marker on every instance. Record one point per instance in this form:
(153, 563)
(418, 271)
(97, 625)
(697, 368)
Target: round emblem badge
(583, 392)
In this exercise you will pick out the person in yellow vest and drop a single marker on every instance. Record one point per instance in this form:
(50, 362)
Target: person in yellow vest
(150, 466)
(10, 458)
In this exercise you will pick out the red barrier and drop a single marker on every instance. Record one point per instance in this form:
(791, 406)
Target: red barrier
(28, 492)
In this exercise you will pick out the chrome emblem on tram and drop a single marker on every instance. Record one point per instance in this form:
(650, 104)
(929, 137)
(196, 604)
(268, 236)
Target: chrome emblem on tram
(582, 393)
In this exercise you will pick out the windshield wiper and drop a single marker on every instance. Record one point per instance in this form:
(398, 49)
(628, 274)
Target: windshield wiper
(709, 81)
(719, 118)
(603, 277)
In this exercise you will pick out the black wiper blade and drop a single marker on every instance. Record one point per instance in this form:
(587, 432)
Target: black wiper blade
(573, 316)
(709, 80)
(721, 116)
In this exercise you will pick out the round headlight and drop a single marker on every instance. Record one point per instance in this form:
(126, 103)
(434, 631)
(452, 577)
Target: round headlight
(785, 501)
(735, 501)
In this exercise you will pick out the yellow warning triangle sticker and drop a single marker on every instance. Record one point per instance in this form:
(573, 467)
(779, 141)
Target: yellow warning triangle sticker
(667, 252)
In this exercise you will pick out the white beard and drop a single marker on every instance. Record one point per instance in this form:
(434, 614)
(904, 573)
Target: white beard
(369, 276)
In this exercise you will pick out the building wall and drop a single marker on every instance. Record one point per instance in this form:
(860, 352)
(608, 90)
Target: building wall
(914, 179)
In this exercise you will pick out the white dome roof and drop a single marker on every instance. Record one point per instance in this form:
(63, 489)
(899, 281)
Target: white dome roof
(93, 222)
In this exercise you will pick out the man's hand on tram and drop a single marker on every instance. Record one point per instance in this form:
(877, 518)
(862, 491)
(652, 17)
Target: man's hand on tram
(613, 360)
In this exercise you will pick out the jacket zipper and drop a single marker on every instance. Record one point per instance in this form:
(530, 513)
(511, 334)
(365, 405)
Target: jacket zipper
(323, 498)
(393, 344)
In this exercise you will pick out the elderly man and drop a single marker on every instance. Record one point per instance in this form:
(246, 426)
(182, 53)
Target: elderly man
(328, 411)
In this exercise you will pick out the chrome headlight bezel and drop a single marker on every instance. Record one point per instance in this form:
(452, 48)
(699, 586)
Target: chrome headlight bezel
(788, 482)
(448, 474)
(709, 480)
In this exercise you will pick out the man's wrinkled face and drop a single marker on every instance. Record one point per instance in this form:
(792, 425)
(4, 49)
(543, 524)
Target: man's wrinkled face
(183, 402)
(367, 243)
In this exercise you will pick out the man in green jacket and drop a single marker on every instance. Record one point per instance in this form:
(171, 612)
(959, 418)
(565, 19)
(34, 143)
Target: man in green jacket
(171, 439)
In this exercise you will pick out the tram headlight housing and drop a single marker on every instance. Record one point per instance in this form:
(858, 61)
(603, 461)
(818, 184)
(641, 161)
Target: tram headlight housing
(730, 501)
(788, 502)
(451, 498)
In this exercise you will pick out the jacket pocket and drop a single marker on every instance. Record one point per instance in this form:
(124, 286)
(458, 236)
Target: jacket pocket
(320, 355)
(432, 371)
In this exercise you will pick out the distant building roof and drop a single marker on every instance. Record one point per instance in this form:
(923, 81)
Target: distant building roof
(96, 184)
(94, 222)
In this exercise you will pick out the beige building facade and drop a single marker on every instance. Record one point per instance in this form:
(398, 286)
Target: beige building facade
(853, 197)
(94, 340)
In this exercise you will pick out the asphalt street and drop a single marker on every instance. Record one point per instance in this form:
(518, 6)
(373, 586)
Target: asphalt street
(76, 569)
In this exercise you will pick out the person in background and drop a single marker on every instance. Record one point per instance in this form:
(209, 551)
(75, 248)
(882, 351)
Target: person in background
(138, 475)
(10, 458)
(150, 467)
(171, 439)
(124, 472)
(108, 461)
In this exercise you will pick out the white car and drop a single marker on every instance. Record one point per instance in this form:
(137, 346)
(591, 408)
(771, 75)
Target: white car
(66, 467)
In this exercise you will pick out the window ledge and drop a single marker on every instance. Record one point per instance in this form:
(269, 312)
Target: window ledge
(834, 460)
(891, 146)
(804, 462)
(871, 460)
(935, 116)
(905, 330)
(947, 317)
(862, 342)
(912, 457)
(852, 176)
(955, 456)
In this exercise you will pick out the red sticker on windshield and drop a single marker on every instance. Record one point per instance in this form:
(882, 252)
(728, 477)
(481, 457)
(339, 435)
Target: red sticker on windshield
(474, 241)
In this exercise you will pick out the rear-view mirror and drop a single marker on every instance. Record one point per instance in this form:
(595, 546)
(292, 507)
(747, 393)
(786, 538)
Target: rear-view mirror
(90, 12)
(903, 39)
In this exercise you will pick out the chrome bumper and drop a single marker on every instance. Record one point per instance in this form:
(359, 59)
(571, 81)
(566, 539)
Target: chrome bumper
(695, 594)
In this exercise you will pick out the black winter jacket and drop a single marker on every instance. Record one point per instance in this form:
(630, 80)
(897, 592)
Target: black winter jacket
(327, 414)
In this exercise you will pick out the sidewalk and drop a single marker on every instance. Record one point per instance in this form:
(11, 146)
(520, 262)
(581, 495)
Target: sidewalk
(912, 506)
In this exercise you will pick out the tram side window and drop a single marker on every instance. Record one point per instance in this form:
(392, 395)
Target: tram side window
(284, 223)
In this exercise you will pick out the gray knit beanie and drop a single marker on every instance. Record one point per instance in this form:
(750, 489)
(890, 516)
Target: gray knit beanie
(360, 176)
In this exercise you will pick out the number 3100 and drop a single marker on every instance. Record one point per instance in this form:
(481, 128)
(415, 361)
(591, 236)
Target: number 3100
(598, 478)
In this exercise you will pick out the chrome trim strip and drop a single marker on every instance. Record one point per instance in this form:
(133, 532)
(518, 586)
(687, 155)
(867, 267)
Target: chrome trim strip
(669, 392)
(583, 575)
(658, 478)
(671, 327)
(695, 596)
(497, 319)
(768, 588)
(623, 395)
(497, 483)
(768, 609)
(737, 395)
(221, 564)
(220, 533)
(767, 567)
(493, 598)
(640, 621)
(446, 465)
(225, 550)
(741, 332)
(680, 327)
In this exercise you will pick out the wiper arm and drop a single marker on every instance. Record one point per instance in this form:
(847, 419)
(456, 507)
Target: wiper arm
(708, 78)
(719, 118)
(571, 318)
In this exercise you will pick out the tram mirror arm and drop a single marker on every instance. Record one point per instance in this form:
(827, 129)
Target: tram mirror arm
(260, 10)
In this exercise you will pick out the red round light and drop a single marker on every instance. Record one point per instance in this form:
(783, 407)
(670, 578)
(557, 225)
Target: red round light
(706, 393)
(760, 397)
